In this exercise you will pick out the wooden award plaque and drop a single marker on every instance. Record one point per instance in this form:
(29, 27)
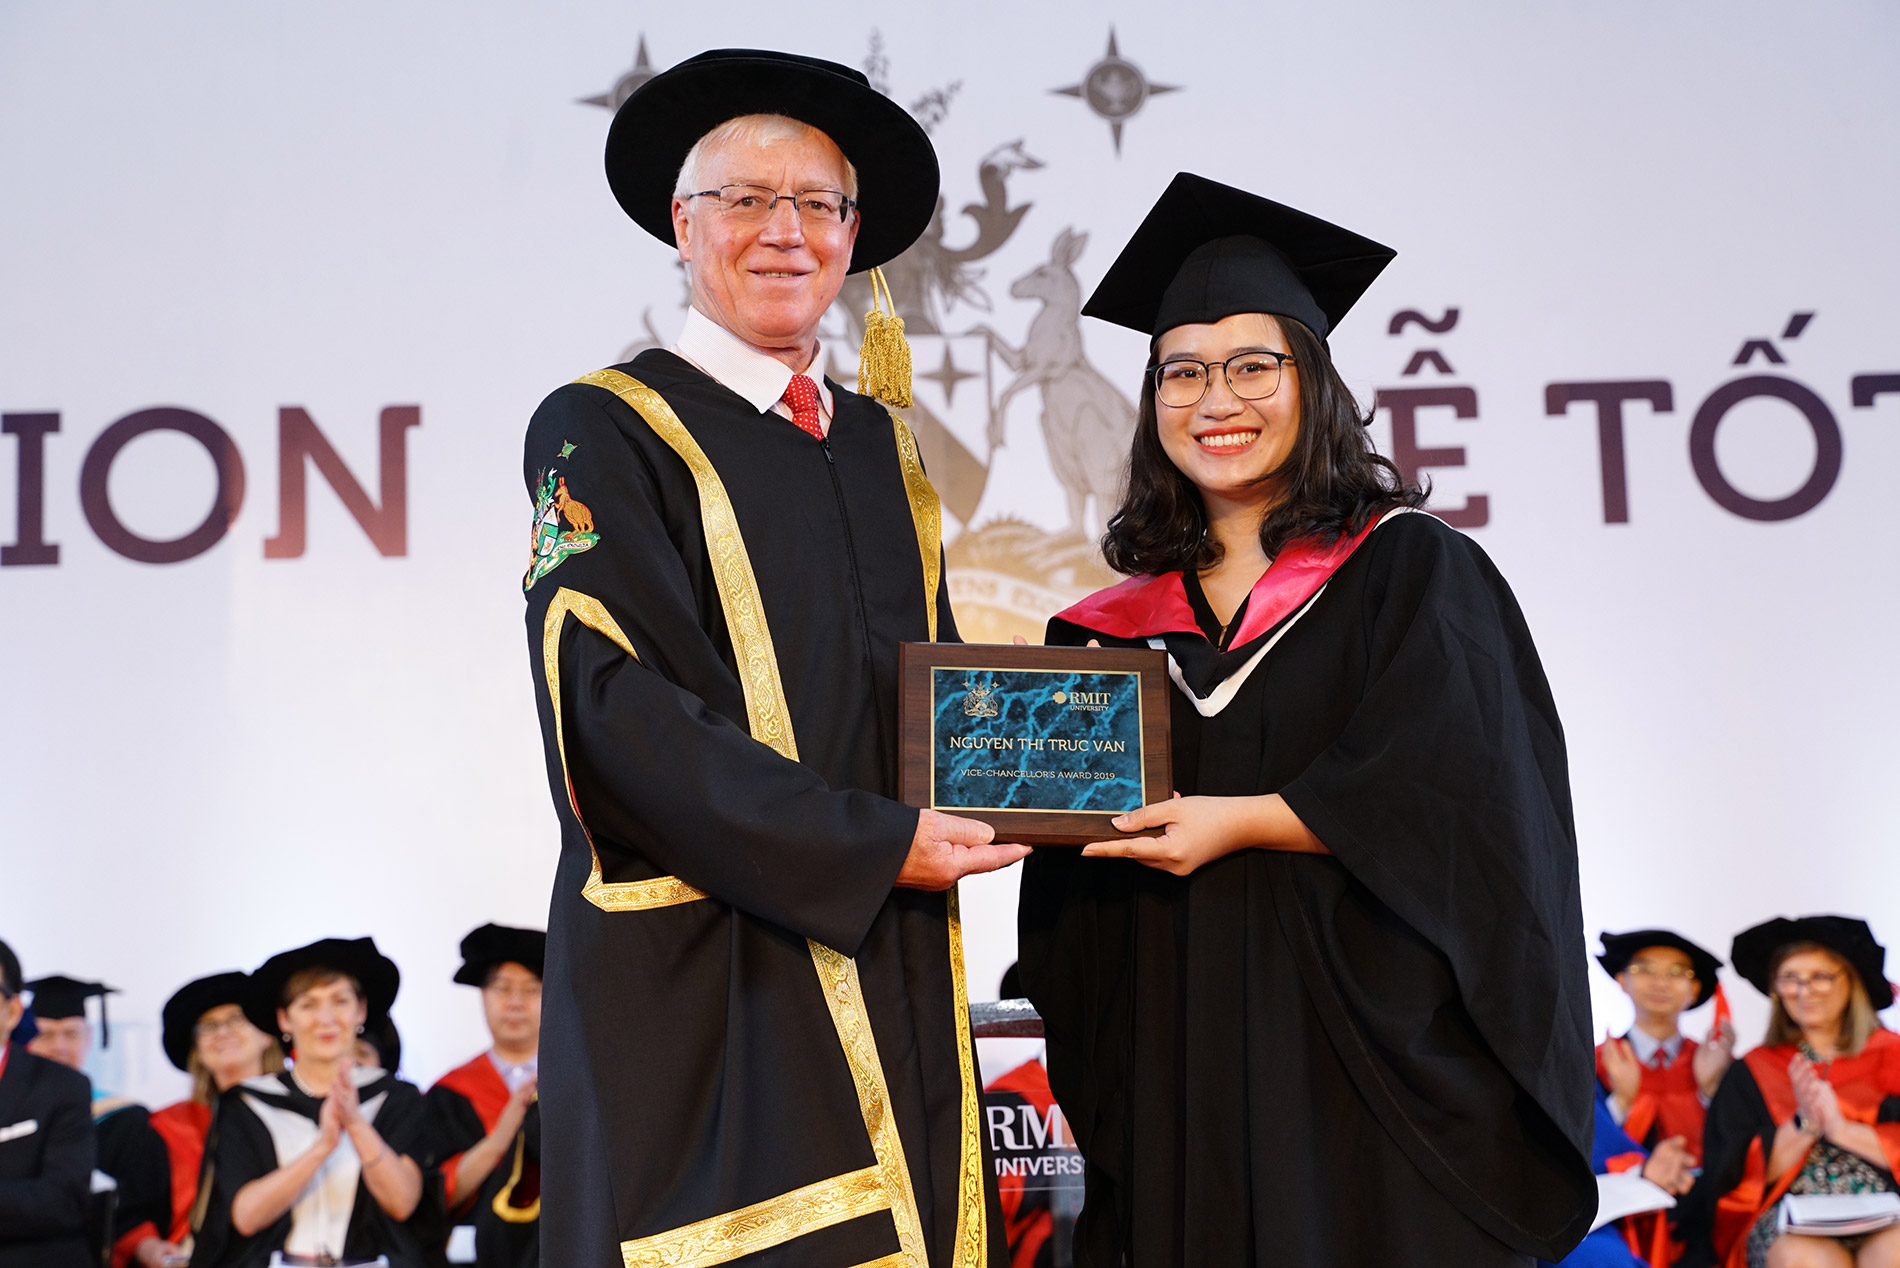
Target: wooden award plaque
(1045, 744)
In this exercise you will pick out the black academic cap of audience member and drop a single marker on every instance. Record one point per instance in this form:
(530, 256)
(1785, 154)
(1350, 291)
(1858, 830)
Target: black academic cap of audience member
(191, 1002)
(375, 972)
(10, 983)
(1012, 985)
(1207, 251)
(56, 997)
(387, 1041)
(1758, 952)
(492, 945)
(1620, 948)
(659, 124)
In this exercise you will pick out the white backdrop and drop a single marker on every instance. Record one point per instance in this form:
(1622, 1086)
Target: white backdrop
(233, 210)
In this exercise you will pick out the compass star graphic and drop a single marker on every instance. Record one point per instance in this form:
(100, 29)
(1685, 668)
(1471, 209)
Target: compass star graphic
(948, 375)
(624, 86)
(1115, 89)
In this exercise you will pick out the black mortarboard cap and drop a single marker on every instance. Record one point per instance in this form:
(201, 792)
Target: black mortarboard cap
(1757, 952)
(191, 1002)
(658, 125)
(57, 996)
(490, 945)
(10, 971)
(1207, 251)
(1620, 948)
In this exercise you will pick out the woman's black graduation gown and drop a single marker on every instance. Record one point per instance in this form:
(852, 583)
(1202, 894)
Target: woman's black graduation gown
(240, 1150)
(1381, 1056)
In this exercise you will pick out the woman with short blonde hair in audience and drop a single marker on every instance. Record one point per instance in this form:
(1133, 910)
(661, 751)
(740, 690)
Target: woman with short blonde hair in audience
(325, 1162)
(1814, 1110)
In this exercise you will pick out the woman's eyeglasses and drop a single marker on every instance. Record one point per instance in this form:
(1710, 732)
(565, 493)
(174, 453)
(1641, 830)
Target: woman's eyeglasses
(1819, 983)
(1251, 376)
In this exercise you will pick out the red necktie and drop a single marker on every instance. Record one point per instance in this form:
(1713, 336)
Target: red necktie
(801, 394)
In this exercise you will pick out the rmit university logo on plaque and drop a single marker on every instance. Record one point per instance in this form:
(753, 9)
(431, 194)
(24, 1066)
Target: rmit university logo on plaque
(1036, 739)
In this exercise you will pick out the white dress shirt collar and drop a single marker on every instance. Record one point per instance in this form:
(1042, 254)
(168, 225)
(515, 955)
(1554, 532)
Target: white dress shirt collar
(514, 1075)
(735, 364)
(1645, 1045)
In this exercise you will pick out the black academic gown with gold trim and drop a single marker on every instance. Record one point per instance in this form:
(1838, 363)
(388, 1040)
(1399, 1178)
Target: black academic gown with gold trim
(1377, 1056)
(717, 1078)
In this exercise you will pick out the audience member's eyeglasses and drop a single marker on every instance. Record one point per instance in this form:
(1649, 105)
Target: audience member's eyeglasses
(1674, 972)
(754, 204)
(230, 1025)
(1820, 983)
(530, 992)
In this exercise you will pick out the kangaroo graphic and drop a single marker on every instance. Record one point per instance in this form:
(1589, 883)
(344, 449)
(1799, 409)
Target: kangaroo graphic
(1086, 421)
(576, 513)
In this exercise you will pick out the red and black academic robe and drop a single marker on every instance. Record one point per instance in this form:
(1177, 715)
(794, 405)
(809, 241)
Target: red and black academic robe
(1754, 1099)
(752, 1044)
(1669, 1103)
(464, 1107)
(183, 1127)
(1380, 1055)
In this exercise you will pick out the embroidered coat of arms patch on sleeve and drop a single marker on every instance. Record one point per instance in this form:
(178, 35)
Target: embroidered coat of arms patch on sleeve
(550, 544)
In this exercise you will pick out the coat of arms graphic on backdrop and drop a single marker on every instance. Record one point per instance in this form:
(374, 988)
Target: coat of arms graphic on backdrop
(1007, 574)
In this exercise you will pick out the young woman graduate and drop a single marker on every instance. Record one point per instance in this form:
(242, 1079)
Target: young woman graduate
(1814, 1109)
(208, 1037)
(484, 1120)
(1329, 1006)
(324, 1162)
(1659, 1080)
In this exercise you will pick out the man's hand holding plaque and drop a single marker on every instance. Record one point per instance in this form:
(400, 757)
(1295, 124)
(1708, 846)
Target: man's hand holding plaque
(948, 848)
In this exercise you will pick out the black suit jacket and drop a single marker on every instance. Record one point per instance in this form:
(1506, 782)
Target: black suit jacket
(46, 1159)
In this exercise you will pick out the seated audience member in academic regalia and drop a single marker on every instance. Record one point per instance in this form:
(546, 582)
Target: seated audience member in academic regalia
(1613, 1245)
(1659, 1079)
(46, 1146)
(130, 1151)
(207, 1035)
(1324, 1007)
(1814, 1109)
(483, 1116)
(323, 1162)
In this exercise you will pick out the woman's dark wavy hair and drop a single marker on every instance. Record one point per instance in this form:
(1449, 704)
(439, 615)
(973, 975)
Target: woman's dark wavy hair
(1335, 483)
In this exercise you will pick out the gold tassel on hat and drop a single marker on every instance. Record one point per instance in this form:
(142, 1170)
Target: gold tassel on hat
(884, 360)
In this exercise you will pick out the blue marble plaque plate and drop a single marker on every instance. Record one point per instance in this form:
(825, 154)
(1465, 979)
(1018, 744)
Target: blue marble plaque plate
(1035, 739)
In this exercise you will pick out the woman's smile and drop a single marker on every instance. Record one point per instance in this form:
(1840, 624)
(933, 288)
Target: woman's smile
(1227, 440)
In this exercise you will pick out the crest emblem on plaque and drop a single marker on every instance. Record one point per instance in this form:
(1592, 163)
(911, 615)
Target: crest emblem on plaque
(981, 701)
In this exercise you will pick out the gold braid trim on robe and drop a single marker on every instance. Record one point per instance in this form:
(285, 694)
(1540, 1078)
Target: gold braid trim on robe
(770, 722)
(663, 891)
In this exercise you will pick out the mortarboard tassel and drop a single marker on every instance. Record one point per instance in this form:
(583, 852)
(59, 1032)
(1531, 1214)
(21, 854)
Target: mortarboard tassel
(884, 360)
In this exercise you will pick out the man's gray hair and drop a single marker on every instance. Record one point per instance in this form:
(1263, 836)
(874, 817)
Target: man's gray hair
(751, 129)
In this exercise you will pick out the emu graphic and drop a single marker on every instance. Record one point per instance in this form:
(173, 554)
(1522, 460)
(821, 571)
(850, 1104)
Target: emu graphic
(1086, 421)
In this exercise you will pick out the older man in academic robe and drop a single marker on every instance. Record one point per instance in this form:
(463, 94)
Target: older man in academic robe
(756, 1039)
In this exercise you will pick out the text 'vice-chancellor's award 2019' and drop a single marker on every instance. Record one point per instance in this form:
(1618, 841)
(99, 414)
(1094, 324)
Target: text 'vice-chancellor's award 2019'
(1046, 744)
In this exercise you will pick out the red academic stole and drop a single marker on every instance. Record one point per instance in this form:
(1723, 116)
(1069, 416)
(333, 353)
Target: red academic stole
(481, 1085)
(183, 1127)
(1141, 607)
(1860, 1082)
(1668, 1101)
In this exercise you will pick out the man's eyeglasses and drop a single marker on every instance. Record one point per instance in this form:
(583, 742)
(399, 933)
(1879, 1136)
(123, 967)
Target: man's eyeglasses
(754, 204)
(1251, 376)
(1674, 972)
(1820, 983)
